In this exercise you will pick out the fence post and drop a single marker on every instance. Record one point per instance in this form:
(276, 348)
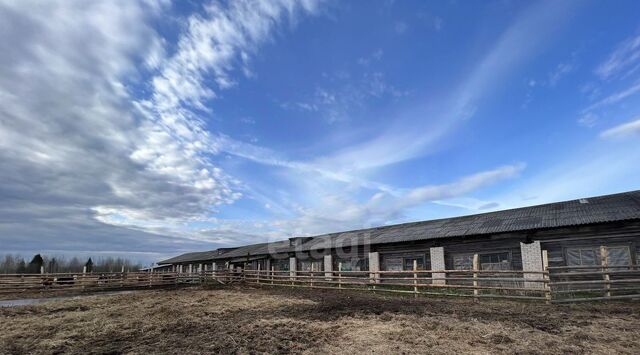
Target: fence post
(293, 267)
(273, 273)
(258, 276)
(415, 278)
(475, 276)
(82, 280)
(311, 275)
(546, 276)
(604, 260)
(374, 267)
(340, 275)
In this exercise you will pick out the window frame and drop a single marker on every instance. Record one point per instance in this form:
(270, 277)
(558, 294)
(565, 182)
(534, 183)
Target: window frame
(629, 246)
(500, 251)
(629, 250)
(351, 263)
(414, 257)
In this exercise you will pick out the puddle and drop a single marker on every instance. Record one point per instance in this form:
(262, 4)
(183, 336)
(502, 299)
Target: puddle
(32, 301)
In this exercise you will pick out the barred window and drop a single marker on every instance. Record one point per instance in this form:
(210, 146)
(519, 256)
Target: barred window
(408, 262)
(584, 256)
(619, 256)
(463, 261)
(308, 265)
(488, 261)
(495, 261)
(280, 264)
(352, 264)
(392, 263)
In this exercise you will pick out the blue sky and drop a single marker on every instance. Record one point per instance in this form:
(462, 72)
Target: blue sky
(147, 129)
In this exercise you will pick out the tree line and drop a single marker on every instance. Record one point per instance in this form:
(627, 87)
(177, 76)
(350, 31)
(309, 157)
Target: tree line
(16, 264)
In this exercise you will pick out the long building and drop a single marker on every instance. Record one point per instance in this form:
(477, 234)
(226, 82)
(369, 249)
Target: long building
(572, 232)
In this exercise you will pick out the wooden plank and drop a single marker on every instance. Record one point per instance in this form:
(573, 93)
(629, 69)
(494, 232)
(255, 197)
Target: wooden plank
(545, 267)
(415, 276)
(604, 260)
(476, 267)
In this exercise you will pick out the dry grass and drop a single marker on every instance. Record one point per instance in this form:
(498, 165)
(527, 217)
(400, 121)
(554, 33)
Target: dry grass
(304, 321)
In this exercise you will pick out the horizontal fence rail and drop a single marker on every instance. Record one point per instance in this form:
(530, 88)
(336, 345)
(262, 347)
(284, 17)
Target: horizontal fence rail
(78, 282)
(594, 283)
(507, 284)
(553, 285)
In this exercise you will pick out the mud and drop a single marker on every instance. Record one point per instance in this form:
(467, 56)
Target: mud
(283, 320)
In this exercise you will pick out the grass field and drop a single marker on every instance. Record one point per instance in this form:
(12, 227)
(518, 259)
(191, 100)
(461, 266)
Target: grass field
(277, 320)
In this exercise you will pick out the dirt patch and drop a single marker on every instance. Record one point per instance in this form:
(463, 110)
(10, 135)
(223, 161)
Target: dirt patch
(283, 320)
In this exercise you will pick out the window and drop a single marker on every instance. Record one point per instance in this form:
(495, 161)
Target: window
(489, 261)
(353, 264)
(463, 262)
(408, 262)
(495, 261)
(590, 256)
(586, 256)
(280, 264)
(392, 263)
(308, 265)
(619, 256)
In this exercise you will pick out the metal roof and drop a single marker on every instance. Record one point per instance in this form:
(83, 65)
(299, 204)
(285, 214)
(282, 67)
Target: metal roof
(601, 209)
(196, 256)
(281, 246)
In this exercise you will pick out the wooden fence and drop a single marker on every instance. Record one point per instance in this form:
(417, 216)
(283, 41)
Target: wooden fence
(594, 283)
(553, 285)
(78, 282)
(506, 284)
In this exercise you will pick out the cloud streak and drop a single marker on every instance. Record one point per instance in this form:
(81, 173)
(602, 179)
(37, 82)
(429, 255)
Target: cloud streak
(624, 130)
(338, 211)
(623, 61)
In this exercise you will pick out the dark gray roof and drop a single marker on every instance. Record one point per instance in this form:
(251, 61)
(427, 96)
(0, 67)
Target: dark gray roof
(196, 256)
(281, 246)
(601, 209)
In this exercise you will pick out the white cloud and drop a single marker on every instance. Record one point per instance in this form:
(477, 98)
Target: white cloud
(559, 72)
(84, 163)
(339, 212)
(343, 95)
(177, 143)
(624, 60)
(624, 130)
(411, 135)
(588, 119)
(615, 97)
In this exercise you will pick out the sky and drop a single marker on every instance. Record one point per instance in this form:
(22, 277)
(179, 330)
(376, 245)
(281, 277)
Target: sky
(146, 129)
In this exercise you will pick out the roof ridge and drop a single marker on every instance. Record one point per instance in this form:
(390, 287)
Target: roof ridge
(629, 193)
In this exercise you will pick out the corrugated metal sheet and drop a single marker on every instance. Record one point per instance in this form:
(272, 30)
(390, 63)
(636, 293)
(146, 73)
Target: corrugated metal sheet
(602, 209)
(196, 256)
(609, 208)
(256, 249)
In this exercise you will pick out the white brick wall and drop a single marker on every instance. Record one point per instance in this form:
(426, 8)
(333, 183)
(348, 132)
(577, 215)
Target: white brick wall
(374, 264)
(437, 263)
(293, 266)
(532, 261)
(328, 265)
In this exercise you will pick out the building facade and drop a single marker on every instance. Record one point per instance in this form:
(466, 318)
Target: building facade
(573, 233)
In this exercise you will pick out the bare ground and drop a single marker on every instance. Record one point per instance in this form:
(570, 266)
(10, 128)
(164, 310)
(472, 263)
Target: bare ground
(282, 320)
